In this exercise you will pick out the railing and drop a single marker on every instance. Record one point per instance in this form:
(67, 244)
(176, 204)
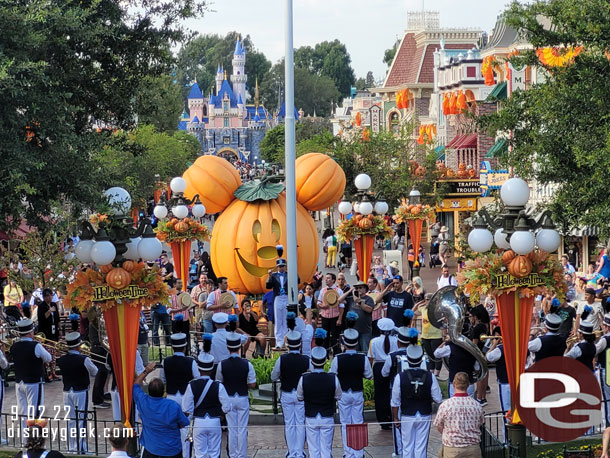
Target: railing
(58, 433)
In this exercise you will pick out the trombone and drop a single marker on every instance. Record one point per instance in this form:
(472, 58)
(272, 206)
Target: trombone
(61, 348)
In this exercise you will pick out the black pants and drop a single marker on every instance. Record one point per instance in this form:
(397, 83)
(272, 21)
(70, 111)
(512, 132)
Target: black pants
(332, 334)
(376, 331)
(429, 346)
(97, 392)
(383, 393)
(147, 454)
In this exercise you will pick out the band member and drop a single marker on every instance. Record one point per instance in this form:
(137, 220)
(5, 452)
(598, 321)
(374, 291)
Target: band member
(319, 391)
(176, 372)
(406, 336)
(584, 351)
(29, 358)
(213, 302)
(288, 369)
(76, 370)
(602, 348)
(278, 282)
(237, 375)
(413, 392)
(495, 354)
(459, 360)
(351, 368)
(219, 349)
(379, 349)
(550, 344)
(205, 401)
(115, 399)
(301, 325)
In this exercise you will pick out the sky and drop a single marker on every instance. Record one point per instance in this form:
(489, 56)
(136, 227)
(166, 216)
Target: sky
(367, 27)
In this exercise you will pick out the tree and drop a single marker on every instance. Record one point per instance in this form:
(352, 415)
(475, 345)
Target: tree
(560, 127)
(318, 131)
(360, 84)
(330, 59)
(388, 55)
(370, 79)
(66, 67)
(160, 102)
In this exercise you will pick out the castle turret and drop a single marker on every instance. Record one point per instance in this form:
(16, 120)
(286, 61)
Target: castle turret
(195, 101)
(239, 78)
(219, 78)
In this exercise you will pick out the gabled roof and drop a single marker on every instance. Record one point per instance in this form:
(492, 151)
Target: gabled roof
(195, 92)
(182, 125)
(282, 112)
(225, 89)
(195, 119)
(253, 112)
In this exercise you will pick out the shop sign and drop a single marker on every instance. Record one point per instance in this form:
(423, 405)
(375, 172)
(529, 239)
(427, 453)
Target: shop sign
(491, 179)
(375, 118)
(106, 293)
(450, 205)
(464, 187)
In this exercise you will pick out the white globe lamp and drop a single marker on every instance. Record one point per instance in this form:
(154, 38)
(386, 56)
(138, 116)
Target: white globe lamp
(366, 208)
(119, 200)
(150, 248)
(522, 242)
(480, 240)
(345, 207)
(363, 182)
(515, 192)
(180, 211)
(132, 249)
(500, 239)
(83, 250)
(178, 185)
(381, 207)
(357, 207)
(103, 252)
(547, 240)
(160, 211)
(198, 210)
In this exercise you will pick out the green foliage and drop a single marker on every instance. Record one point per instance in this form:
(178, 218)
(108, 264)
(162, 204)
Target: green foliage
(388, 55)
(159, 102)
(560, 127)
(65, 65)
(320, 143)
(315, 132)
(137, 159)
(263, 368)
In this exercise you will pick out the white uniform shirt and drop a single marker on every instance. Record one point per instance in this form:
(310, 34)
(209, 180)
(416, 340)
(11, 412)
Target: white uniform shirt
(39, 351)
(188, 402)
(3, 361)
(435, 391)
(536, 344)
(600, 345)
(376, 348)
(251, 373)
(219, 349)
(195, 369)
(368, 371)
(306, 331)
(493, 355)
(338, 391)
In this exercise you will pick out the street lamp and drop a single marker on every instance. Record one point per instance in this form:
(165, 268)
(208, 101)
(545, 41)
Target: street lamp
(178, 203)
(366, 202)
(116, 240)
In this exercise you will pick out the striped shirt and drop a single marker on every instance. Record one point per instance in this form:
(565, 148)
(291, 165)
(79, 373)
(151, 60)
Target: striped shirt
(331, 312)
(377, 312)
(460, 419)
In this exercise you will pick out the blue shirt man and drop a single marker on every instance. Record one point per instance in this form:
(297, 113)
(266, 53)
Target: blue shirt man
(161, 418)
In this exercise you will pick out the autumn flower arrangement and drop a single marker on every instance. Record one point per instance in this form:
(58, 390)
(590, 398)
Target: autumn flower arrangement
(478, 276)
(359, 225)
(81, 290)
(408, 211)
(181, 230)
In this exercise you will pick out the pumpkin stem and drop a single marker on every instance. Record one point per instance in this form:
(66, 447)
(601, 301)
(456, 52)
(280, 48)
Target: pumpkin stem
(268, 188)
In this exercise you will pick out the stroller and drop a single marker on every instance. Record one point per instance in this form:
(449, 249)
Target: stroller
(434, 258)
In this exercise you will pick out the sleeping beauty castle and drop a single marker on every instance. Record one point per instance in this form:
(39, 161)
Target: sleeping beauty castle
(223, 122)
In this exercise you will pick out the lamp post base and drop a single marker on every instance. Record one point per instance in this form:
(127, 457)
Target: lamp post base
(415, 272)
(517, 438)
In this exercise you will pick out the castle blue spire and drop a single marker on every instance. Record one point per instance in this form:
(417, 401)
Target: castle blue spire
(219, 69)
(195, 92)
(239, 47)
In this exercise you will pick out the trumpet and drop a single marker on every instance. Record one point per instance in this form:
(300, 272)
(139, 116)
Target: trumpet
(575, 339)
(486, 337)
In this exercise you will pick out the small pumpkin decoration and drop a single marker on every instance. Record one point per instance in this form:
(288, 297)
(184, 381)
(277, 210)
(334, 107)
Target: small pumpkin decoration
(538, 256)
(507, 257)
(472, 173)
(520, 266)
(320, 181)
(118, 278)
(365, 223)
(416, 210)
(182, 227)
(420, 171)
(450, 173)
(105, 269)
(214, 179)
(129, 265)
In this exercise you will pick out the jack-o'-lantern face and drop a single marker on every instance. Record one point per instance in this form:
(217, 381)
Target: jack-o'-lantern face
(265, 252)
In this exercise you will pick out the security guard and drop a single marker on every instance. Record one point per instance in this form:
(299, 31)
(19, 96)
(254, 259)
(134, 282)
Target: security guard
(176, 372)
(75, 371)
(602, 347)
(351, 368)
(29, 358)
(584, 351)
(237, 375)
(413, 391)
(288, 369)
(204, 401)
(319, 391)
(550, 344)
(495, 354)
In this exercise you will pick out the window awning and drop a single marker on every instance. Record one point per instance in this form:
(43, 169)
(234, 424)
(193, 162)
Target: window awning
(457, 139)
(498, 93)
(499, 147)
(463, 141)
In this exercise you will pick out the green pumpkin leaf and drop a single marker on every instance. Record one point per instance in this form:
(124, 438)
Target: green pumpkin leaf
(258, 190)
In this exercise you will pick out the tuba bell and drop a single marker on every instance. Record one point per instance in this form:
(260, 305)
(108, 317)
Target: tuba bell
(446, 310)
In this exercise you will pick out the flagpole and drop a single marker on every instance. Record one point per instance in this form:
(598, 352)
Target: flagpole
(291, 217)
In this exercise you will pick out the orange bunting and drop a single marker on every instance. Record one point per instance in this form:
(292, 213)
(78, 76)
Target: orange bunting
(460, 105)
(453, 103)
(558, 57)
(420, 139)
(358, 119)
(366, 135)
(487, 71)
(399, 103)
(446, 108)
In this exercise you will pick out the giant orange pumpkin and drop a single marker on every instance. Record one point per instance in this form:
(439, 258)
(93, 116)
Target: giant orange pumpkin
(320, 181)
(520, 266)
(214, 179)
(118, 278)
